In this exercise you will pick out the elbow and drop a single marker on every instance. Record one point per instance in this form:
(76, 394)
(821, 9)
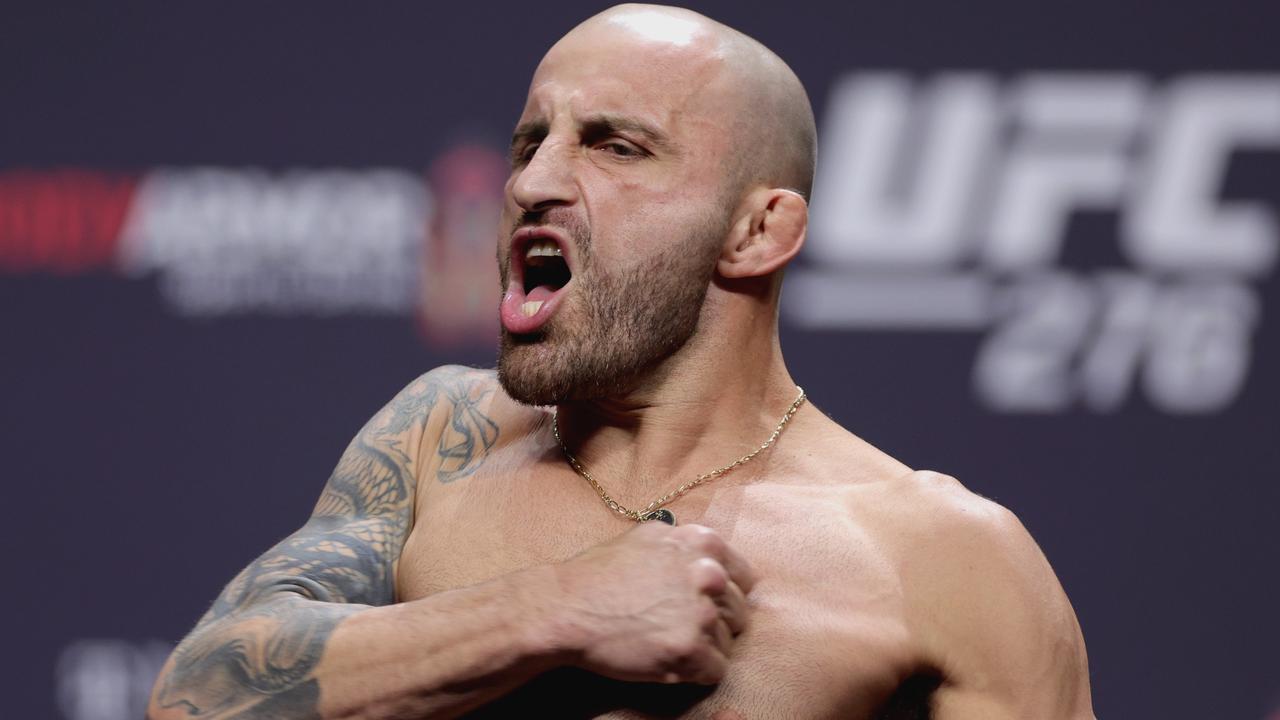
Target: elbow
(251, 664)
(162, 690)
(205, 676)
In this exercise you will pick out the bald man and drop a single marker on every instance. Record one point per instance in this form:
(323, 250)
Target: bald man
(640, 515)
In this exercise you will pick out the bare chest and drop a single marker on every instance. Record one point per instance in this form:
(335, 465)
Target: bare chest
(826, 636)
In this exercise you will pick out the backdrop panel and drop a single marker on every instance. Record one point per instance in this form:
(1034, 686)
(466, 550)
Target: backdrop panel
(1042, 258)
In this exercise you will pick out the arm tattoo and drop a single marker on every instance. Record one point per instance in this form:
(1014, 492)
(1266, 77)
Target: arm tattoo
(469, 433)
(254, 652)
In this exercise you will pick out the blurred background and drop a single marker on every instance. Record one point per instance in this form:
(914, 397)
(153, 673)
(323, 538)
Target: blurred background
(1042, 258)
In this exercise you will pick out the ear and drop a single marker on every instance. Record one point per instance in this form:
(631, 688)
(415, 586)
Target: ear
(767, 235)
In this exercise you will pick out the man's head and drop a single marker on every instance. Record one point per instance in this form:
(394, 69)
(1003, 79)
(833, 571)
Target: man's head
(661, 153)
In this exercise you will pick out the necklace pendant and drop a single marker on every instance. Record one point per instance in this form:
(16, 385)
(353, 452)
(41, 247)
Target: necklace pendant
(661, 515)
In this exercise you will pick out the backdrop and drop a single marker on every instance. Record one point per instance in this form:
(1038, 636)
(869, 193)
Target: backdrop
(1042, 259)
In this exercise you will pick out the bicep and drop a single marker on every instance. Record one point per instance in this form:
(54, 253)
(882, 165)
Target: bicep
(258, 645)
(347, 550)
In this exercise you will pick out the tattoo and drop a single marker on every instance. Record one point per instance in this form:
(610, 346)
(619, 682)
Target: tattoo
(255, 664)
(469, 433)
(253, 654)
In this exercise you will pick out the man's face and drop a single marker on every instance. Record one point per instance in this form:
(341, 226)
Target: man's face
(615, 212)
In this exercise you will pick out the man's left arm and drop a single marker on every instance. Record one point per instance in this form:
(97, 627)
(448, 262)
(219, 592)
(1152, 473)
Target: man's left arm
(995, 619)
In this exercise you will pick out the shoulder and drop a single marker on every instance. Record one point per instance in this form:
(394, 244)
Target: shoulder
(956, 536)
(971, 524)
(981, 595)
(417, 415)
(430, 395)
(457, 416)
(446, 385)
(920, 507)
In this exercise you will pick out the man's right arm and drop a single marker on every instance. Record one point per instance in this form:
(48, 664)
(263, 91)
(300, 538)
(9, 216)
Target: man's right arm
(310, 628)
(315, 613)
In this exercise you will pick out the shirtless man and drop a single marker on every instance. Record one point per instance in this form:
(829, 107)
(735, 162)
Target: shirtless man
(457, 563)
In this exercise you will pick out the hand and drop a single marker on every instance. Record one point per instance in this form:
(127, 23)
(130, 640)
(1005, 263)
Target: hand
(658, 604)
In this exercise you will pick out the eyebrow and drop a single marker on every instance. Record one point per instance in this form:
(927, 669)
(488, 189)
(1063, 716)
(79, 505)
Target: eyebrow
(532, 131)
(598, 125)
(608, 124)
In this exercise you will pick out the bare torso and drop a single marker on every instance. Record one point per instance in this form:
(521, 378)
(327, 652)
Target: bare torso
(875, 592)
(819, 519)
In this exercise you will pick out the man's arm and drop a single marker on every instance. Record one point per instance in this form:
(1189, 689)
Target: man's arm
(992, 614)
(270, 642)
(311, 628)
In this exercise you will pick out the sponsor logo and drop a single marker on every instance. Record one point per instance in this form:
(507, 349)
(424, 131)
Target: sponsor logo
(301, 242)
(945, 206)
(65, 222)
(222, 242)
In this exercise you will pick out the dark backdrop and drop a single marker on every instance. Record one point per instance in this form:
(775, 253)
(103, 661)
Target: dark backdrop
(189, 339)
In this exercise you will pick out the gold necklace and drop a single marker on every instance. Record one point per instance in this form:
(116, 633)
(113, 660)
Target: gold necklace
(655, 510)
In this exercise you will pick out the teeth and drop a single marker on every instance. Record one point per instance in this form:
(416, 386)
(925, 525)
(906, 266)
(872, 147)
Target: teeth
(530, 307)
(543, 248)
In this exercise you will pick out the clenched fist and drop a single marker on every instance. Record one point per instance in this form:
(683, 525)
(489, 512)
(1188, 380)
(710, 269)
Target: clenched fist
(658, 604)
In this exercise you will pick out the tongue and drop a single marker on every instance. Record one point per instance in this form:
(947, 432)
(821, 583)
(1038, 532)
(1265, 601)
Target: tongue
(542, 293)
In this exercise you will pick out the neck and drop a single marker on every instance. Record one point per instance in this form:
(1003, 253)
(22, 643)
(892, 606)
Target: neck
(716, 399)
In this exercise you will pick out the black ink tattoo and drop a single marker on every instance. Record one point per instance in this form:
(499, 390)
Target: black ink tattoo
(469, 434)
(253, 654)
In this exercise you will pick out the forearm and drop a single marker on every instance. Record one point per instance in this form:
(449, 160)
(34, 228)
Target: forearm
(443, 655)
(435, 657)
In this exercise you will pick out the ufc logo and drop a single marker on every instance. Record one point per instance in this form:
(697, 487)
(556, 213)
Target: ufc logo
(963, 169)
(945, 206)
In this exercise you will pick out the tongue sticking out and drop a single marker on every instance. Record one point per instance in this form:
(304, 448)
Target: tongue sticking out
(542, 293)
(526, 312)
(535, 298)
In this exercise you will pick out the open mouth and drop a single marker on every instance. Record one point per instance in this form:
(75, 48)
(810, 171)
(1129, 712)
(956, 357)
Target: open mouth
(540, 270)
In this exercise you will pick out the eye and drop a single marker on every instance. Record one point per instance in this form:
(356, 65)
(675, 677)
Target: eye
(620, 149)
(523, 155)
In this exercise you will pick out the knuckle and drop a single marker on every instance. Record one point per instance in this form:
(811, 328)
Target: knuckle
(709, 575)
(708, 614)
(693, 530)
(682, 648)
(706, 539)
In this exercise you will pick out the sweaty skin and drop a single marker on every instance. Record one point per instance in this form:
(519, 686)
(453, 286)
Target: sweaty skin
(455, 564)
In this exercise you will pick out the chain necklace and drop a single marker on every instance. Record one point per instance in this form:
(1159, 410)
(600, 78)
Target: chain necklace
(655, 509)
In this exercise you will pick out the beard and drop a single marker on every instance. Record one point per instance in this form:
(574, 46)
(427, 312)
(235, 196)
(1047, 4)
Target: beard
(617, 327)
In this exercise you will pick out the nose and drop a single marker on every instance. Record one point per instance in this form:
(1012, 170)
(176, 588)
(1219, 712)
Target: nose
(545, 181)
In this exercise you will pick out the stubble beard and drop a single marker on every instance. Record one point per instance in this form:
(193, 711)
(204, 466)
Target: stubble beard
(620, 326)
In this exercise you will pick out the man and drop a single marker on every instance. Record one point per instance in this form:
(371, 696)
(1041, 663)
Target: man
(476, 548)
